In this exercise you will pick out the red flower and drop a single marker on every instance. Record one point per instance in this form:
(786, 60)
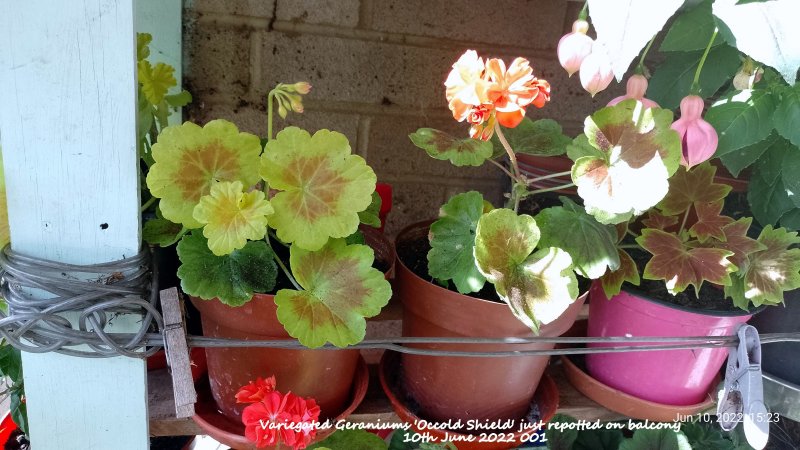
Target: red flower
(266, 421)
(304, 416)
(256, 390)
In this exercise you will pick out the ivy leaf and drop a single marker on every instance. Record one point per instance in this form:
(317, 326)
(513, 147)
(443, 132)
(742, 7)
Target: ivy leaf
(155, 80)
(765, 31)
(770, 272)
(442, 146)
(639, 149)
(624, 35)
(452, 239)
(341, 289)
(662, 439)
(691, 30)
(232, 217)
(161, 232)
(322, 186)
(591, 245)
(673, 78)
(612, 281)
(768, 196)
(179, 100)
(690, 187)
(190, 159)
(580, 147)
(709, 221)
(372, 215)
(351, 440)
(742, 123)
(737, 241)
(538, 287)
(680, 265)
(232, 278)
(543, 137)
(740, 159)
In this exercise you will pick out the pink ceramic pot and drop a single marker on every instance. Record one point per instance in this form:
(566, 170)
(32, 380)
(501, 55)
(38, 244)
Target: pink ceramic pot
(672, 377)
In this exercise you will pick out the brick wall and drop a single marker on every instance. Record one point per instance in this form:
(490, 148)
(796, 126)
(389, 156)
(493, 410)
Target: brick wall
(377, 67)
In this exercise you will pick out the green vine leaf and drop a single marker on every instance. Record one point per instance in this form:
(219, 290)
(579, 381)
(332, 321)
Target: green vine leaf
(538, 287)
(767, 194)
(612, 281)
(232, 278)
(742, 121)
(680, 265)
(161, 232)
(639, 149)
(765, 31)
(156, 80)
(787, 116)
(691, 30)
(769, 272)
(740, 159)
(341, 289)
(543, 137)
(452, 239)
(691, 187)
(591, 245)
(190, 159)
(460, 152)
(322, 186)
(673, 78)
(372, 215)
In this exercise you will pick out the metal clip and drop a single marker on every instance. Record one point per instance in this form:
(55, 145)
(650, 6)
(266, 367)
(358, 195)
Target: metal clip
(742, 399)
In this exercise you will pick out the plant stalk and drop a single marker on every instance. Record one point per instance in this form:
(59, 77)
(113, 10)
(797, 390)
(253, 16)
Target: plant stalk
(584, 14)
(281, 264)
(696, 82)
(683, 222)
(512, 157)
(547, 177)
(640, 66)
(630, 246)
(550, 189)
(501, 167)
(147, 204)
(270, 101)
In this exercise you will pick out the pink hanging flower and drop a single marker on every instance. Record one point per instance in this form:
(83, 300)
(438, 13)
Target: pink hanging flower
(698, 138)
(596, 73)
(574, 47)
(635, 89)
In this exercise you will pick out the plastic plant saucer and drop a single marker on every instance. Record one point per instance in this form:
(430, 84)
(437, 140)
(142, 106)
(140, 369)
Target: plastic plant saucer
(546, 400)
(231, 433)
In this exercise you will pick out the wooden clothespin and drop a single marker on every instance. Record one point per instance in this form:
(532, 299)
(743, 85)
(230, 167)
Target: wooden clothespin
(177, 352)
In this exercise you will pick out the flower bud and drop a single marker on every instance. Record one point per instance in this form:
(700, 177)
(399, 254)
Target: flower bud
(301, 87)
(296, 102)
(574, 47)
(698, 138)
(596, 73)
(635, 89)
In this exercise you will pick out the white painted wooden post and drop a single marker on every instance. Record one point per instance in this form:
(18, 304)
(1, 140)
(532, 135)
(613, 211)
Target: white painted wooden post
(68, 133)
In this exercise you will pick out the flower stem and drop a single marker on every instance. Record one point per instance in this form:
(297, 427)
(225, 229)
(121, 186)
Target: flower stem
(270, 101)
(148, 204)
(550, 189)
(512, 157)
(547, 177)
(281, 264)
(501, 167)
(683, 222)
(584, 14)
(640, 66)
(696, 82)
(631, 246)
(628, 231)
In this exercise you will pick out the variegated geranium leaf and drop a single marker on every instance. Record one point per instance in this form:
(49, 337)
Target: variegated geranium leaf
(460, 152)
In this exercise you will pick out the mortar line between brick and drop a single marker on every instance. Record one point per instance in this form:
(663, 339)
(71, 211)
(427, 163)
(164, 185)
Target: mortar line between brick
(373, 36)
(365, 11)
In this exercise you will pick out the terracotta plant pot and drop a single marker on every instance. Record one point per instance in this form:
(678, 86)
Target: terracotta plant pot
(462, 387)
(325, 375)
(539, 166)
(545, 398)
(671, 377)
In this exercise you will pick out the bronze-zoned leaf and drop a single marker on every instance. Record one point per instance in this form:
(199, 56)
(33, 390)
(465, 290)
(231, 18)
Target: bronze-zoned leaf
(709, 222)
(612, 281)
(688, 187)
(736, 240)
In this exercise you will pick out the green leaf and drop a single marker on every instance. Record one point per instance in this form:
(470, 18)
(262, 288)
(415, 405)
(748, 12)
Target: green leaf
(766, 31)
(11, 363)
(351, 440)
(356, 238)
(538, 287)
(692, 187)
(232, 278)
(155, 80)
(691, 30)
(341, 289)
(624, 35)
(179, 100)
(541, 138)
(663, 439)
(627, 272)
(601, 439)
(372, 215)
(580, 147)
(673, 78)
(738, 160)
(558, 439)
(789, 174)
(791, 220)
(161, 232)
(452, 239)
(680, 265)
(639, 149)
(143, 41)
(769, 272)
(742, 123)
(591, 245)
(322, 186)
(19, 411)
(460, 152)
(768, 197)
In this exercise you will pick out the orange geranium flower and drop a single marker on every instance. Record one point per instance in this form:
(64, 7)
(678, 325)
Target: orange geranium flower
(485, 94)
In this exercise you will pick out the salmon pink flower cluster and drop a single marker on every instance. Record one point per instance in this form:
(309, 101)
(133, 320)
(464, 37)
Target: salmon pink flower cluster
(485, 94)
(273, 418)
